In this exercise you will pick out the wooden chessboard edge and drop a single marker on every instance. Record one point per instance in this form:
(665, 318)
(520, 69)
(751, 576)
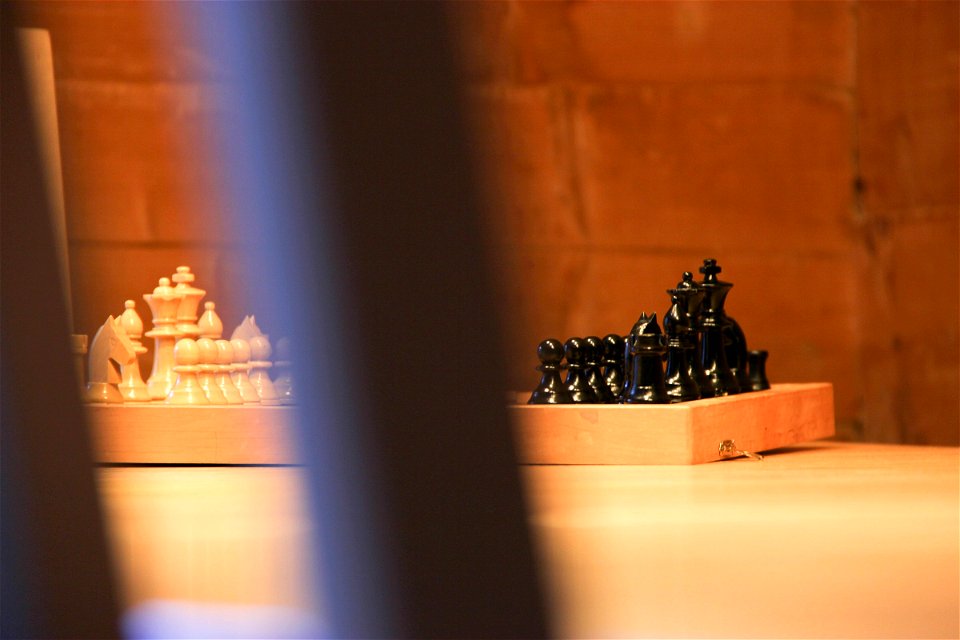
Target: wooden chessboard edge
(678, 434)
(791, 414)
(154, 433)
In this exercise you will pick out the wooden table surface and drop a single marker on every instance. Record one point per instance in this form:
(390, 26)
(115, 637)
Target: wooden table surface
(822, 540)
(239, 535)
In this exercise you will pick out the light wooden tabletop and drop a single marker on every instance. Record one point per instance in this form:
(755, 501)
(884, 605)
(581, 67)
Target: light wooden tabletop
(822, 540)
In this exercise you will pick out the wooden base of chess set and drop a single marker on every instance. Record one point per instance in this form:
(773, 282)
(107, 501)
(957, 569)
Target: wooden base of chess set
(665, 434)
(672, 434)
(157, 433)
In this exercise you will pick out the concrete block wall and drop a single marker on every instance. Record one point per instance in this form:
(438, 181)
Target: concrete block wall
(810, 146)
(908, 142)
(135, 101)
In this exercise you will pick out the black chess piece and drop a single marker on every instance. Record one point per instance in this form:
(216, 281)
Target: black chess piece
(576, 384)
(645, 347)
(694, 296)
(627, 367)
(735, 345)
(757, 360)
(677, 326)
(613, 361)
(713, 355)
(551, 389)
(594, 360)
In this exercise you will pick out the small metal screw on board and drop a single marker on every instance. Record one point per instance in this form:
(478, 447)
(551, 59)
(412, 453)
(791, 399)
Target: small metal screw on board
(728, 449)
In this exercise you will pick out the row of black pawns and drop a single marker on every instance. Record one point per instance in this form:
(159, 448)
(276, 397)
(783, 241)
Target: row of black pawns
(705, 351)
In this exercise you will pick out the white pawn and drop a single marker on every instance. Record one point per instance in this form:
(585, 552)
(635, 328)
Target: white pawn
(259, 364)
(283, 383)
(210, 324)
(241, 365)
(132, 387)
(246, 329)
(224, 369)
(208, 371)
(187, 389)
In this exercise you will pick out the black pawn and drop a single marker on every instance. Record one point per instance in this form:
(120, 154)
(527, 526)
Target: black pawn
(713, 355)
(645, 347)
(551, 389)
(613, 361)
(577, 386)
(594, 349)
(758, 370)
(676, 325)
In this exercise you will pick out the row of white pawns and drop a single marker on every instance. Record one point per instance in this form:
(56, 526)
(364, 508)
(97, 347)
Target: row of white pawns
(227, 372)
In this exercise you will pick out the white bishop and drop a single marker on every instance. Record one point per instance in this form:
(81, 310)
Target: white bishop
(132, 387)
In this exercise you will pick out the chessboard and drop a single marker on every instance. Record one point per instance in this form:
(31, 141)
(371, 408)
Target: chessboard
(208, 400)
(672, 434)
(690, 393)
(157, 433)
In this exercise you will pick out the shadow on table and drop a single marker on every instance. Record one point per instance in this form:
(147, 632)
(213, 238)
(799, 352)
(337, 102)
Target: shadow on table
(795, 448)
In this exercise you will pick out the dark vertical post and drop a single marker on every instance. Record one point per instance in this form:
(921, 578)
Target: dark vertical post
(426, 328)
(55, 579)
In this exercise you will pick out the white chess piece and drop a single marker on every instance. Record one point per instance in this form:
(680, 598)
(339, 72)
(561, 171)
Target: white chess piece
(259, 365)
(208, 371)
(190, 297)
(247, 330)
(78, 347)
(241, 365)
(210, 324)
(283, 383)
(110, 348)
(163, 304)
(224, 369)
(187, 390)
(132, 386)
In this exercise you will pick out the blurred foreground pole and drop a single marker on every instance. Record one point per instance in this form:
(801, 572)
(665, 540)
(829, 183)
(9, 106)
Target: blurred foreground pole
(56, 579)
(351, 177)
